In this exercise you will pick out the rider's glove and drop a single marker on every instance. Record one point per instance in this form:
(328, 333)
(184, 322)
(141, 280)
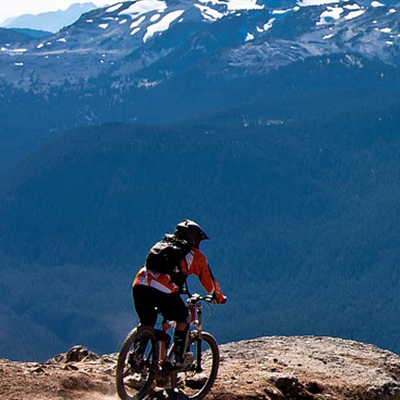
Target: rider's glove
(221, 300)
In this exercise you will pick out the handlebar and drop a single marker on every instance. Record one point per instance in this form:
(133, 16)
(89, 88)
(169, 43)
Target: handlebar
(196, 298)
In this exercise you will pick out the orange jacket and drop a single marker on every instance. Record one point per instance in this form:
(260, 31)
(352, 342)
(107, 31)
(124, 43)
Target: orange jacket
(194, 263)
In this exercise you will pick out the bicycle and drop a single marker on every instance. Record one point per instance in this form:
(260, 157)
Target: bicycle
(145, 361)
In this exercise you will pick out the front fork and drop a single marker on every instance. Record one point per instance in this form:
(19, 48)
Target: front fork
(194, 309)
(199, 307)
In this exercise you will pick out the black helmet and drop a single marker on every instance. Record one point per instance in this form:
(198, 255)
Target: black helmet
(191, 232)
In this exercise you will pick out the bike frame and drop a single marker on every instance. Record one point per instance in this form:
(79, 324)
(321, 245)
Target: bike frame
(166, 351)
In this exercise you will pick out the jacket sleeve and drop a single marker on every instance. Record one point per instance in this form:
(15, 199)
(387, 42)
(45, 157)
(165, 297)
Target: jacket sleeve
(202, 270)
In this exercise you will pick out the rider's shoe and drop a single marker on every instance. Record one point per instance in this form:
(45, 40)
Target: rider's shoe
(184, 363)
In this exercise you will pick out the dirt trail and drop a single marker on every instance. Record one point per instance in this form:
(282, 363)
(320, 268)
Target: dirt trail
(270, 368)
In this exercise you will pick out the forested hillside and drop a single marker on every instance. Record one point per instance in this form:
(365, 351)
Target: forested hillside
(298, 193)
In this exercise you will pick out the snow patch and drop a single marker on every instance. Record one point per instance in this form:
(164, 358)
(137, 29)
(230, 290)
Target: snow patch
(162, 25)
(114, 8)
(235, 5)
(244, 5)
(376, 4)
(136, 23)
(155, 17)
(103, 26)
(249, 37)
(328, 36)
(89, 20)
(354, 14)
(269, 24)
(307, 3)
(39, 46)
(386, 30)
(19, 64)
(124, 21)
(392, 11)
(62, 40)
(136, 30)
(209, 13)
(352, 6)
(332, 13)
(281, 12)
(144, 6)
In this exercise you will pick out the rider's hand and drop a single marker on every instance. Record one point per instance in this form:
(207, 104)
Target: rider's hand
(221, 299)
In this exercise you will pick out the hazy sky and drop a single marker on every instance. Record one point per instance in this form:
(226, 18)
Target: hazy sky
(14, 8)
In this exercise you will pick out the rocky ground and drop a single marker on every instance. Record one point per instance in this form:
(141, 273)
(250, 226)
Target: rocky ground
(269, 368)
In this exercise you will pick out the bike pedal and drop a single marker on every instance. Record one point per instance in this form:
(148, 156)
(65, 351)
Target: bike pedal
(186, 364)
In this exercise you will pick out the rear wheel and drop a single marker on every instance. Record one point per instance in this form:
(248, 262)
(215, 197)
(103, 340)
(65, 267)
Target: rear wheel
(197, 379)
(137, 363)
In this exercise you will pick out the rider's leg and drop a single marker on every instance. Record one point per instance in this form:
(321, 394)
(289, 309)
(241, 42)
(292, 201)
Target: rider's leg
(175, 309)
(180, 341)
(145, 301)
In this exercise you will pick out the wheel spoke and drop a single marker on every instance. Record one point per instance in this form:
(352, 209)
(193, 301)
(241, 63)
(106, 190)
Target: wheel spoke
(135, 372)
(196, 381)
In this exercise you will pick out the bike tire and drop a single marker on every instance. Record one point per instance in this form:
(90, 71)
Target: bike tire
(140, 382)
(207, 381)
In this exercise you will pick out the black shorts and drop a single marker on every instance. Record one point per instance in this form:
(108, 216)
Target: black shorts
(149, 302)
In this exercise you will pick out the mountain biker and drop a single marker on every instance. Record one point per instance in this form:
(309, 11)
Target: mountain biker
(155, 292)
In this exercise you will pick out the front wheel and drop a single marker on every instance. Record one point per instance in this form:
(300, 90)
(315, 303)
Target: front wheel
(137, 362)
(197, 379)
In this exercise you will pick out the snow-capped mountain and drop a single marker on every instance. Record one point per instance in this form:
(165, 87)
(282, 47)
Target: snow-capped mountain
(152, 40)
(49, 21)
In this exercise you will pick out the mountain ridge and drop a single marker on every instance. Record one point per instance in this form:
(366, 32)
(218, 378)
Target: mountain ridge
(109, 40)
(51, 21)
(213, 55)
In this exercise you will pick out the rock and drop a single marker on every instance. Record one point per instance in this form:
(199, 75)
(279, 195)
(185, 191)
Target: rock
(291, 388)
(273, 394)
(107, 360)
(70, 367)
(388, 391)
(56, 359)
(38, 370)
(80, 353)
(314, 387)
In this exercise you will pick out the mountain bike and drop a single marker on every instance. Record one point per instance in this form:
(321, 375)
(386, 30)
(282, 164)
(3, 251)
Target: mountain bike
(146, 360)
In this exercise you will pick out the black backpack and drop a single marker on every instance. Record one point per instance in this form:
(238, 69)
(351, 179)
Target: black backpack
(165, 255)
